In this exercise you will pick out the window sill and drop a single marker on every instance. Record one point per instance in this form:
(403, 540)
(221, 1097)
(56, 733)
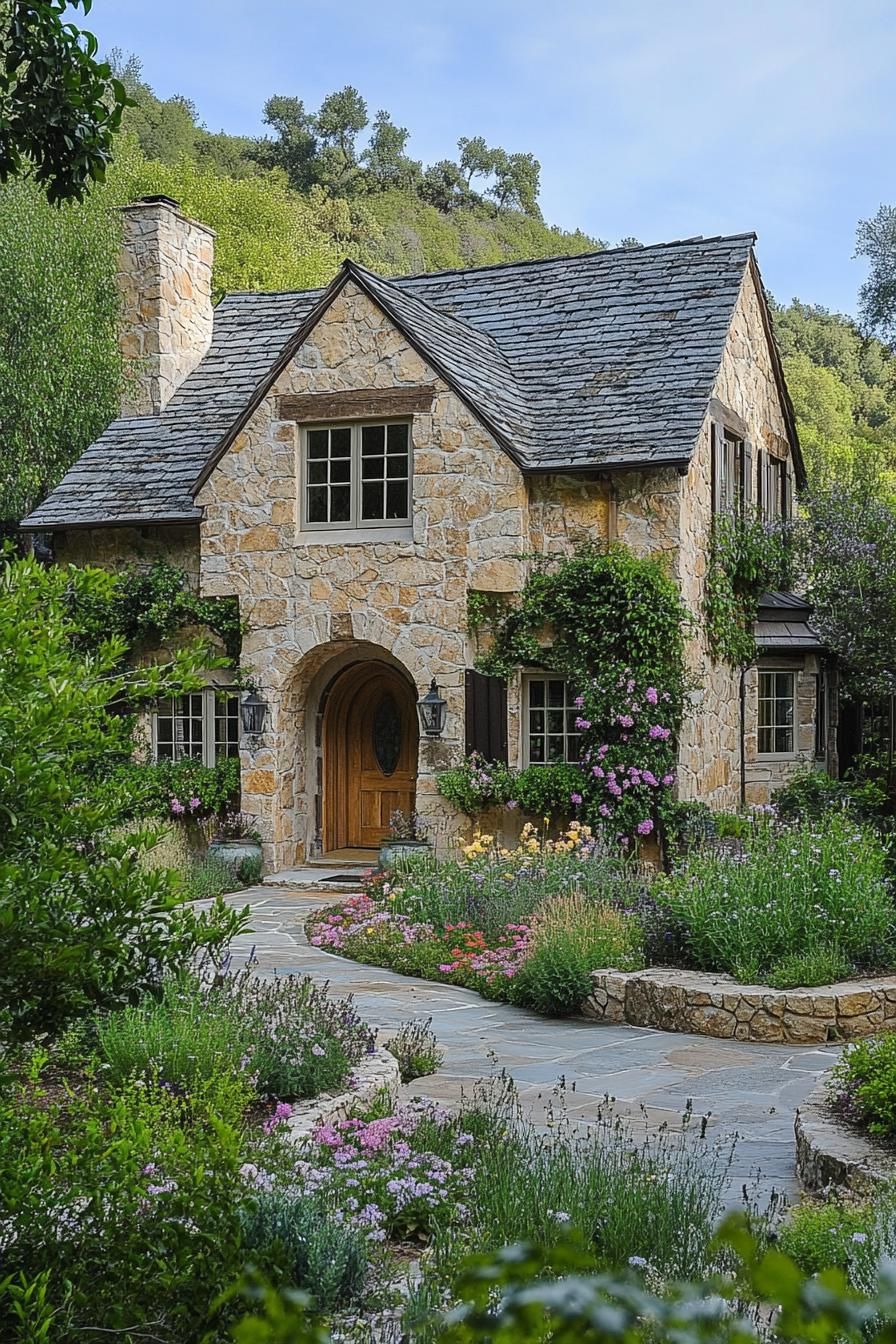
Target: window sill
(354, 536)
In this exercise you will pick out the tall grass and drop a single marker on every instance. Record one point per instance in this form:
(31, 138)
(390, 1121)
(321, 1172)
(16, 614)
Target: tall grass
(571, 937)
(792, 892)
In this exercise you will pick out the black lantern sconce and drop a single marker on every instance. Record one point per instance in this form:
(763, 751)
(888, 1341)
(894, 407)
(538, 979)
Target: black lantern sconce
(253, 712)
(432, 708)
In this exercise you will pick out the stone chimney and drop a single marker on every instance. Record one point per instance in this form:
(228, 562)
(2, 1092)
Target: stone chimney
(165, 278)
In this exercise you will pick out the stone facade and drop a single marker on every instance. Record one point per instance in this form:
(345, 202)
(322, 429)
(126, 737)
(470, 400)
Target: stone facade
(715, 1005)
(165, 281)
(312, 603)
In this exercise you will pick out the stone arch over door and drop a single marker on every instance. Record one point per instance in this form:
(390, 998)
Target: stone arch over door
(369, 744)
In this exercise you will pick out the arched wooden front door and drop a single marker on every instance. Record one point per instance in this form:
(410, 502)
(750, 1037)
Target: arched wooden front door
(370, 743)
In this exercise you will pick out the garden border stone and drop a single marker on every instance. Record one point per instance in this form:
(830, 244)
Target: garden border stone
(716, 1005)
(376, 1073)
(831, 1154)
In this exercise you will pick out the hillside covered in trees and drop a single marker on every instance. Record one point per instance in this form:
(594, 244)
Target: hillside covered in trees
(287, 207)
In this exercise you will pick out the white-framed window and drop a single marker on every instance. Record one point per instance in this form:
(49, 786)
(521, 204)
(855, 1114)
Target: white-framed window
(204, 724)
(777, 703)
(551, 736)
(356, 475)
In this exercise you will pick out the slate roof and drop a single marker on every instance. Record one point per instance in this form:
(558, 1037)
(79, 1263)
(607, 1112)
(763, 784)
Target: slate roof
(600, 361)
(783, 625)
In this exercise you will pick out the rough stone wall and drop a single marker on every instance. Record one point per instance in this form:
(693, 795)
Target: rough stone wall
(312, 605)
(165, 279)
(131, 548)
(710, 742)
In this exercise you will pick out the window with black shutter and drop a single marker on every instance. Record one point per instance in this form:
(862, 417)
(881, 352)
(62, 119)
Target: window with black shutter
(486, 716)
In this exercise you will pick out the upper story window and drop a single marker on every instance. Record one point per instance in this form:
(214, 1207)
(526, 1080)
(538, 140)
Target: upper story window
(731, 470)
(776, 493)
(357, 475)
(204, 725)
(551, 733)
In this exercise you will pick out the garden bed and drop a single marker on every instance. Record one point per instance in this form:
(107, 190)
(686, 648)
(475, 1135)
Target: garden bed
(716, 1005)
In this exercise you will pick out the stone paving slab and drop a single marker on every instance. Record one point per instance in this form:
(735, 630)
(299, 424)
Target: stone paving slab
(751, 1090)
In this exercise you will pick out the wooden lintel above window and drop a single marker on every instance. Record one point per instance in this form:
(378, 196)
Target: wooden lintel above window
(365, 404)
(730, 419)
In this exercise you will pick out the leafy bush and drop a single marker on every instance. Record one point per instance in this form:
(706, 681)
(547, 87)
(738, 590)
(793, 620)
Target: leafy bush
(863, 1084)
(823, 1236)
(542, 791)
(207, 878)
(282, 1038)
(818, 966)
(417, 1050)
(293, 1238)
(809, 795)
(802, 890)
(571, 937)
(82, 923)
(146, 789)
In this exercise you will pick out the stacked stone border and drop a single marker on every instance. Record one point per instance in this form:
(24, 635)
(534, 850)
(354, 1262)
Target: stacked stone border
(831, 1155)
(374, 1075)
(716, 1005)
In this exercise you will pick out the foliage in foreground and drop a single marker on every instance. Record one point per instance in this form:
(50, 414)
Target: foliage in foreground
(863, 1084)
(82, 923)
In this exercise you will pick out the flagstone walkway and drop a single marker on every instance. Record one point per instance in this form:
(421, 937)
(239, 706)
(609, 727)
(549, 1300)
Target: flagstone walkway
(748, 1089)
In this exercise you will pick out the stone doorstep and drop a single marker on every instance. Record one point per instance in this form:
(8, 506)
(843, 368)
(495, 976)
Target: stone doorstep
(716, 1005)
(375, 1074)
(831, 1155)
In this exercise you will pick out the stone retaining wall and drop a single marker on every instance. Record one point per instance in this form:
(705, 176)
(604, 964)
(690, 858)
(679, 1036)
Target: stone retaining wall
(716, 1005)
(375, 1074)
(833, 1155)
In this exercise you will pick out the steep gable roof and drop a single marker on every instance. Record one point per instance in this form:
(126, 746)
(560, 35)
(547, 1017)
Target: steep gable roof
(592, 362)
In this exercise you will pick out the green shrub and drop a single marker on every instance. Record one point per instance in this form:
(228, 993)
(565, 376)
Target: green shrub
(818, 966)
(249, 872)
(145, 789)
(207, 878)
(417, 1050)
(809, 795)
(82, 923)
(572, 937)
(215, 1043)
(863, 1083)
(291, 1237)
(796, 890)
(820, 1236)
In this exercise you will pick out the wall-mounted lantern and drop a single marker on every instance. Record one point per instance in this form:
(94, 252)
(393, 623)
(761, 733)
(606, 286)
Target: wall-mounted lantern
(432, 708)
(253, 712)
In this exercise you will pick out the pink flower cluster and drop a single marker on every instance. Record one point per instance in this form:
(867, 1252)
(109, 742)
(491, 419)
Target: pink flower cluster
(179, 809)
(636, 717)
(359, 916)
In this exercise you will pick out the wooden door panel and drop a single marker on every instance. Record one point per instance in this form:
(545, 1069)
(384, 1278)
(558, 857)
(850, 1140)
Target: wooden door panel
(370, 755)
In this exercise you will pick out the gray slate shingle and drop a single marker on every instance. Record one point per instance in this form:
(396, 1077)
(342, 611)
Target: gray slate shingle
(595, 361)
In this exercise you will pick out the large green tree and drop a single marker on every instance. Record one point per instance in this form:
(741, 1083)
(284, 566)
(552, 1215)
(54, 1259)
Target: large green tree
(876, 240)
(59, 106)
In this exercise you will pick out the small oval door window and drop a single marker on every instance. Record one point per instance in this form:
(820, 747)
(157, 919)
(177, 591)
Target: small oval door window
(387, 735)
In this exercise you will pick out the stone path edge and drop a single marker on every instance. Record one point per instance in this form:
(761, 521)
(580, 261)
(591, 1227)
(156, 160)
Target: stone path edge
(375, 1074)
(716, 1005)
(831, 1155)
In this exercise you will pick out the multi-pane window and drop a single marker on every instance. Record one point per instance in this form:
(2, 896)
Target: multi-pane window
(357, 475)
(551, 733)
(204, 724)
(776, 713)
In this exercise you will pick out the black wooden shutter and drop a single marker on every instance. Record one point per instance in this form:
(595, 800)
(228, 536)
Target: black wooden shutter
(746, 473)
(761, 492)
(486, 716)
(787, 497)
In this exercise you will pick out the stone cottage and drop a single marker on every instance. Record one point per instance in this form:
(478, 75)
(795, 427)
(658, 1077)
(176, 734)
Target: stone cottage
(352, 462)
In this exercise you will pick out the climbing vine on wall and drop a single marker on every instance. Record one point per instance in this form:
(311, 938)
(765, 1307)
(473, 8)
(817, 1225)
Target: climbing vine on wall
(749, 556)
(146, 607)
(614, 626)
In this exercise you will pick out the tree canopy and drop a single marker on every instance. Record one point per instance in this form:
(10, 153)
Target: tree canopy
(59, 106)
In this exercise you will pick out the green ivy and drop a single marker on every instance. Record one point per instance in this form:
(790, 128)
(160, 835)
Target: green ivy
(748, 557)
(146, 607)
(145, 791)
(613, 624)
(484, 609)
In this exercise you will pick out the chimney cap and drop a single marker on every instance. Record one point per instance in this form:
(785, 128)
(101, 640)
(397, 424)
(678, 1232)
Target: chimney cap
(157, 200)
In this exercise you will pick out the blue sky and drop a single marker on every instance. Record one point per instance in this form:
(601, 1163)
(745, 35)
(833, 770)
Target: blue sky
(653, 119)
